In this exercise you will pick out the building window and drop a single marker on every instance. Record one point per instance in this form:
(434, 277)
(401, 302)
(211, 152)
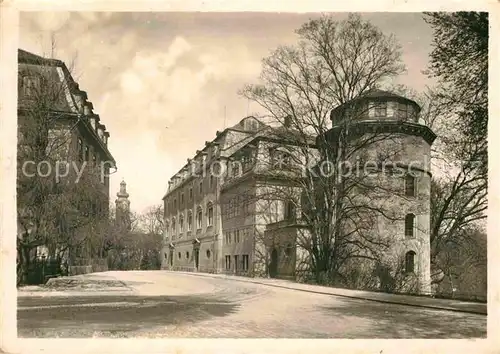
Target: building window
(288, 250)
(237, 236)
(403, 110)
(181, 224)
(175, 203)
(211, 182)
(208, 253)
(189, 220)
(80, 149)
(173, 227)
(228, 262)
(201, 188)
(280, 159)
(409, 225)
(191, 193)
(31, 84)
(179, 255)
(244, 262)
(182, 198)
(290, 210)
(410, 262)
(228, 238)
(381, 109)
(87, 153)
(199, 217)
(187, 255)
(236, 263)
(410, 186)
(210, 213)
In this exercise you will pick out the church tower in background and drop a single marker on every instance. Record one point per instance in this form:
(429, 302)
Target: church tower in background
(123, 206)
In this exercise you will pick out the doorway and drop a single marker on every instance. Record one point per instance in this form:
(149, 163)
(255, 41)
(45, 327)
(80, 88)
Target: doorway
(273, 266)
(196, 257)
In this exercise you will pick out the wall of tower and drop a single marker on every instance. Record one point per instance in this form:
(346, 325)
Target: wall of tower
(385, 192)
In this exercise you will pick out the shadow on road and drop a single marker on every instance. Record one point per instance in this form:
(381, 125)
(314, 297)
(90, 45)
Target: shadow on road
(414, 322)
(84, 316)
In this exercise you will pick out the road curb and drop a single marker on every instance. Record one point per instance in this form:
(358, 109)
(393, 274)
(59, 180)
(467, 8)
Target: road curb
(434, 307)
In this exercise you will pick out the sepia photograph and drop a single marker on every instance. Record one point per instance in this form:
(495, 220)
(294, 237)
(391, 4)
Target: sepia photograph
(252, 175)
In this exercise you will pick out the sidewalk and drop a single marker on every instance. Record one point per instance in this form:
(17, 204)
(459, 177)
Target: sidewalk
(408, 300)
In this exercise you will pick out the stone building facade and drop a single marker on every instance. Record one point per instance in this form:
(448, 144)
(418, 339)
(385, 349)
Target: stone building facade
(251, 213)
(48, 92)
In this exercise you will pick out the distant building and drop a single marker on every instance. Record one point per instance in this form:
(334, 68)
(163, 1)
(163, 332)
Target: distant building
(122, 204)
(221, 217)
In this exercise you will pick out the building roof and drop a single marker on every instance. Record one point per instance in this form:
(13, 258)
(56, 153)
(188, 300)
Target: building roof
(374, 94)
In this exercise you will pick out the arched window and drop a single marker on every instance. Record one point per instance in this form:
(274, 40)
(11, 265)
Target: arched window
(181, 223)
(210, 214)
(410, 185)
(199, 218)
(410, 262)
(189, 220)
(410, 225)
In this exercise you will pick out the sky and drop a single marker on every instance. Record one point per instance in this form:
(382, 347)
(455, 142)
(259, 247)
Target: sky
(163, 83)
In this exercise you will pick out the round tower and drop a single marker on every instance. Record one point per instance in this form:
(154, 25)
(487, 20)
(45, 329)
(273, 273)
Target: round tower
(122, 204)
(388, 153)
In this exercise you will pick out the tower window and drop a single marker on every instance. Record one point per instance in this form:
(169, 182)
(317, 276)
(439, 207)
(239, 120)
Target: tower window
(403, 110)
(410, 262)
(381, 109)
(410, 225)
(410, 186)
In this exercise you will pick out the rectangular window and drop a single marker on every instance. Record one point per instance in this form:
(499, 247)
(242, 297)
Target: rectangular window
(30, 85)
(201, 188)
(189, 221)
(191, 193)
(410, 190)
(211, 181)
(182, 198)
(87, 153)
(175, 203)
(403, 111)
(80, 149)
(381, 109)
(228, 262)
(236, 263)
(237, 236)
(210, 215)
(244, 262)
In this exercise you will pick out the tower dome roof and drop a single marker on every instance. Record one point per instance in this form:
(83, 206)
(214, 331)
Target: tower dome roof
(374, 95)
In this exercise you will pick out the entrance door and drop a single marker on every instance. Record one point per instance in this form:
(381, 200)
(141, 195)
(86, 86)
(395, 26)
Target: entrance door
(196, 257)
(273, 266)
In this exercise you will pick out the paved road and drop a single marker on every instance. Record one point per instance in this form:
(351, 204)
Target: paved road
(161, 304)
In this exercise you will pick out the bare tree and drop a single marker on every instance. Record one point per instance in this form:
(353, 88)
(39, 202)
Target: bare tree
(333, 63)
(55, 204)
